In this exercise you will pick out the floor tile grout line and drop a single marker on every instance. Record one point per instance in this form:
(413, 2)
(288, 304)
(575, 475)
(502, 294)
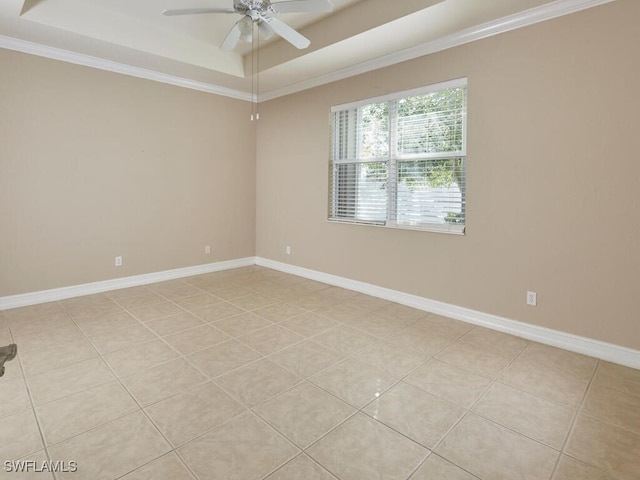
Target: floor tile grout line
(497, 381)
(180, 355)
(469, 410)
(452, 427)
(574, 409)
(553, 401)
(299, 381)
(302, 454)
(357, 410)
(70, 394)
(611, 424)
(247, 411)
(253, 409)
(142, 410)
(420, 463)
(361, 409)
(574, 420)
(600, 419)
(115, 375)
(496, 378)
(32, 409)
(305, 339)
(218, 385)
(171, 452)
(284, 437)
(433, 453)
(93, 428)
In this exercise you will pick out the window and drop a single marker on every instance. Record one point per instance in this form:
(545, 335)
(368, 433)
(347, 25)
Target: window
(399, 161)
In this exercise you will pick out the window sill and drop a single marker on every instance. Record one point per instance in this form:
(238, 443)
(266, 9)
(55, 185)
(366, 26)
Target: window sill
(451, 229)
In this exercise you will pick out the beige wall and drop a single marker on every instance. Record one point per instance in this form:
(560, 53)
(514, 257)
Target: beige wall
(553, 203)
(95, 164)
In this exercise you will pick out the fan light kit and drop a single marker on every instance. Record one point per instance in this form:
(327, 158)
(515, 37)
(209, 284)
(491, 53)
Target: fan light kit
(259, 12)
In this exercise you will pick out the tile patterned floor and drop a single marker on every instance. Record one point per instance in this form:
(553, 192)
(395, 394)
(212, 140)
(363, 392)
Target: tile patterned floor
(255, 374)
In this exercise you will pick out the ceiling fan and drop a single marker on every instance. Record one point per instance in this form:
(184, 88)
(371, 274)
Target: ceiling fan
(259, 12)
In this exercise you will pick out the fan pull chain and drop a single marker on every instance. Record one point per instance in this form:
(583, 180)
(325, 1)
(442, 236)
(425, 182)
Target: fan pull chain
(253, 52)
(255, 70)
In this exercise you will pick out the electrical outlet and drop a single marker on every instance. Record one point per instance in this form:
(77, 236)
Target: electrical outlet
(119, 261)
(288, 250)
(532, 298)
(207, 249)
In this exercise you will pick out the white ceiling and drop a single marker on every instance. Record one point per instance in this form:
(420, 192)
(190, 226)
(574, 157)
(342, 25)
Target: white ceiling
(133, 37)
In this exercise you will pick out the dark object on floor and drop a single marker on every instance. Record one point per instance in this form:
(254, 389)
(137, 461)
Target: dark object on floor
(6, 354)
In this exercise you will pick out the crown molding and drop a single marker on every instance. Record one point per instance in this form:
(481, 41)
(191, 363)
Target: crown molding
(554, 9)
(40, 50)
(522, 19)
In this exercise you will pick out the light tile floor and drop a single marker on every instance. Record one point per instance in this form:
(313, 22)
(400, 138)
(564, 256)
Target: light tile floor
(255, 374)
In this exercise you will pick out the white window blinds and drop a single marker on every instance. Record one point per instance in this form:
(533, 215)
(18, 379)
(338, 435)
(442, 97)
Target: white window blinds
(399, 161)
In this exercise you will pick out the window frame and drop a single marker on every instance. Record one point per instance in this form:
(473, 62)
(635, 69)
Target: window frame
(393, 158)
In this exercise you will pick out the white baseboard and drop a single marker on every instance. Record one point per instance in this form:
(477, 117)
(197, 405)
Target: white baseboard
(44, 296)
(587, 346)
(575, 343)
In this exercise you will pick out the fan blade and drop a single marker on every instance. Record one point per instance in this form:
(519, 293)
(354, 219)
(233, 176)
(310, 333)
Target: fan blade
(288, 33)
(194, 11)
(231, 40)
(302, 6)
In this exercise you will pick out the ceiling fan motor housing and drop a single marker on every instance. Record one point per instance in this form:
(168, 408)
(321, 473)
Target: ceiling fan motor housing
(253, 8)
